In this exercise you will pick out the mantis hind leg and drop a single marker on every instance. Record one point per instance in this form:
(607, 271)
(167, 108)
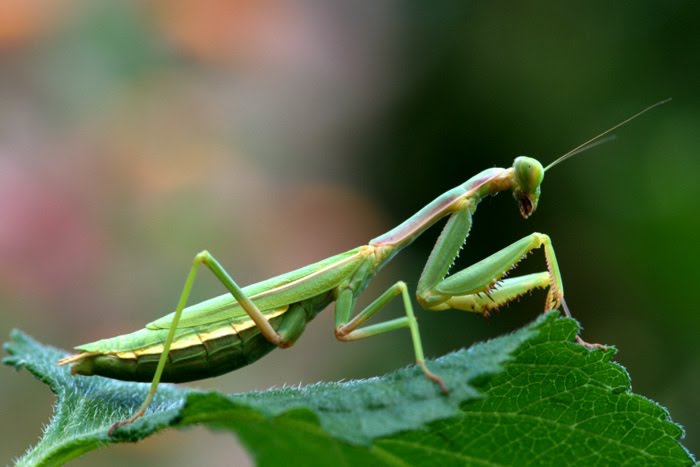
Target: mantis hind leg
(348, 330)
(255, 314)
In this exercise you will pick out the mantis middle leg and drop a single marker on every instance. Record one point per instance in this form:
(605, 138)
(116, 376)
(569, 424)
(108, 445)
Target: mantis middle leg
(348, 330)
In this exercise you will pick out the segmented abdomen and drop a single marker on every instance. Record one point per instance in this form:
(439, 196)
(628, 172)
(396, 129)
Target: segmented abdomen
(208, 358)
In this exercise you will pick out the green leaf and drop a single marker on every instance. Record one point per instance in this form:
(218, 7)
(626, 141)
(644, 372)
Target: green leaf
(532, 397)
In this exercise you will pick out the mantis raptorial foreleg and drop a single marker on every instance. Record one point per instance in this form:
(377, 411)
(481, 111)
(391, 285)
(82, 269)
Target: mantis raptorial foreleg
(347, 331)
(479, 287)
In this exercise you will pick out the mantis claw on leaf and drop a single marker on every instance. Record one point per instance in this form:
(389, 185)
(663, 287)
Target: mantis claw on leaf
(233, 330)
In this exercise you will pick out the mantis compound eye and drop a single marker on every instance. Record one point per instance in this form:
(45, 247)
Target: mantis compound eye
(527, 177)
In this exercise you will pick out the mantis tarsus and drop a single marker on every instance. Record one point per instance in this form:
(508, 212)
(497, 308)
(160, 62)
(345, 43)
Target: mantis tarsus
(230, 331)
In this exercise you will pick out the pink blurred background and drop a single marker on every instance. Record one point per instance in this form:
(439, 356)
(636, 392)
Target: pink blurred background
(136, 134)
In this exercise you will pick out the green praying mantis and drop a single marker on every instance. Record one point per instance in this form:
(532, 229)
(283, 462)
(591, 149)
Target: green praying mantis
(233, 330)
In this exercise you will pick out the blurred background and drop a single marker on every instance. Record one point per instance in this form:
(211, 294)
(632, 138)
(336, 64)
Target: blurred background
(277, 133)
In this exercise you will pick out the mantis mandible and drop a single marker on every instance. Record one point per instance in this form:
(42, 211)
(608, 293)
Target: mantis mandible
(233, 330)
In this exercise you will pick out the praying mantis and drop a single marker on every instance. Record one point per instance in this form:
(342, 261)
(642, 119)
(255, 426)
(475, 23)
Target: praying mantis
(233, 330)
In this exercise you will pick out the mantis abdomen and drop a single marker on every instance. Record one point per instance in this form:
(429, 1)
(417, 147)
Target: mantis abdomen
(203, 353)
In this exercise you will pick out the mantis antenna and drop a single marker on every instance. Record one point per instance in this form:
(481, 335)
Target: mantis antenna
(596, 141)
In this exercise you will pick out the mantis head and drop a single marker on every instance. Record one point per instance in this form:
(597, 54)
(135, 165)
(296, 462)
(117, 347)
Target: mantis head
(527, 177)
(528, 172)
